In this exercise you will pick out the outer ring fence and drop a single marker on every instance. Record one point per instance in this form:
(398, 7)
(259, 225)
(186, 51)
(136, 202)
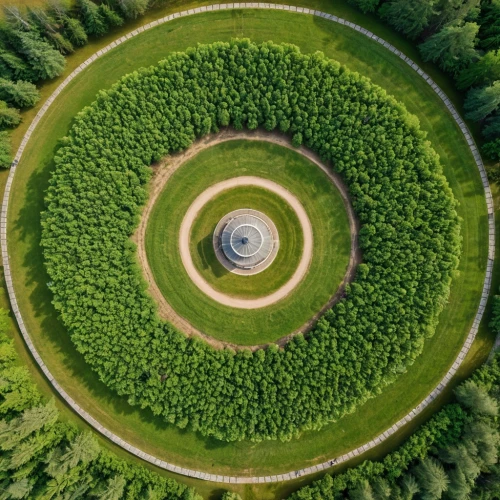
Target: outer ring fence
(335, 460)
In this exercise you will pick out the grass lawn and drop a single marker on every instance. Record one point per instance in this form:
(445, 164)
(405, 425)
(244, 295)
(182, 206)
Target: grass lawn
(325, 209)
(183, 447)
(291, 242)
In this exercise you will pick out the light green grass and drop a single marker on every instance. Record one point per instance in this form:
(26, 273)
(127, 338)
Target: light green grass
(291, 242)
(302, 178)
(183, 447)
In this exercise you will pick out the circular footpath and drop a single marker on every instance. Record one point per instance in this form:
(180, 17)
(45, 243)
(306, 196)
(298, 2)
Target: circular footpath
(335, 460)
(163, 175)
(203, 199)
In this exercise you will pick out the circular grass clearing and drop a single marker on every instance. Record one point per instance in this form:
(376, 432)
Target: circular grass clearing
(139, 426)
(326, 211)
(291, 242)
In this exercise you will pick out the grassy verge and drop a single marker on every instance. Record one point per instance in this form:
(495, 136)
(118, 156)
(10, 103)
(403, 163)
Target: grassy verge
(359, 54)
(291, 242)
(325, 209)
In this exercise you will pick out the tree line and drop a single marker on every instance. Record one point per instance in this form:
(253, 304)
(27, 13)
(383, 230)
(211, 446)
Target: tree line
(409, 239)
(453, 456)
(463, 38)
(44, 457)
(33, 45)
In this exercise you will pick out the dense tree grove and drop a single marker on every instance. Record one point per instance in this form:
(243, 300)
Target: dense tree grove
(453, 456)
(463, 38)
(43, 457)
(409, 238)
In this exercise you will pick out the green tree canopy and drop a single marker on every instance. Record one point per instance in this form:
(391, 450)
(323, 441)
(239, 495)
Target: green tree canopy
(452, 48)
(484, 71)
(411, 18)
(483, 101)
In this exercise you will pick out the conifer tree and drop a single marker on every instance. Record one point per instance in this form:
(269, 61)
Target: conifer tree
(91, 18)
(5, 161)
(21, 94)
(9, 117)
(452, 48)
(411, 18)
(484, 71)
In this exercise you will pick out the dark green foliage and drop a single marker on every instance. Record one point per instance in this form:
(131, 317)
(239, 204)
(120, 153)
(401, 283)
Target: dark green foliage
(74, 31)
(476, 399)
(457, 11)
(444, 429)
(360, 346)
(362, 492)
(452, 48)
(5, 156)
(9, 117)
(411, 18)
(492, 149)
(465, 442)
(489, 20)
(484, 71)
(365, 5)
(132, 9)
(13, 67)
(69, 26)
(409, 487)
(492, 127)
(49, 27)
(110, 17)
(482, 101)
(20, 94)
(44, 61)
(91, 18)
(44, 458)
(459, 487)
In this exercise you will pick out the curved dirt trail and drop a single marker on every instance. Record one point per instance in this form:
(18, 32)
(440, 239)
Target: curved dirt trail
(203, 285)
(163, 172)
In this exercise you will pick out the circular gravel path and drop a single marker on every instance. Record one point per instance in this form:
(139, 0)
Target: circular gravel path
(334, 460)
(199, 281)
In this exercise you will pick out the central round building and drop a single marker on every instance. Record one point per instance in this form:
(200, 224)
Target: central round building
(246, 240)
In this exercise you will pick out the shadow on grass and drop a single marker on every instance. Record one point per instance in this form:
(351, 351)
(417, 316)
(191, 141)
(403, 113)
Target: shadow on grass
(206, 253)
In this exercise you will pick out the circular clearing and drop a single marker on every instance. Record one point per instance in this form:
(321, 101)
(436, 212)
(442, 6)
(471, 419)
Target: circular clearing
(285, 262)
(224, 299)
(246, 241)
(216, 160)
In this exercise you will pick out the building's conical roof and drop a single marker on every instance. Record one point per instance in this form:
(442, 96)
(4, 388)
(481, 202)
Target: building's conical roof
(247, 240)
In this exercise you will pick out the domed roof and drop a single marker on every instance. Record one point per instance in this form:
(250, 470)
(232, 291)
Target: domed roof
(247, 240)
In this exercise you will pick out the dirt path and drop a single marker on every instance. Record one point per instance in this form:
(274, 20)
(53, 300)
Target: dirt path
(163, 172)
(203, 285)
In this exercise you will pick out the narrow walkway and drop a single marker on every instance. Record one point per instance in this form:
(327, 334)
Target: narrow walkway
(204, 286)
(334, 461)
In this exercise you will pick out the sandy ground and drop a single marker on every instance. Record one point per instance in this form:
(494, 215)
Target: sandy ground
(161, 175)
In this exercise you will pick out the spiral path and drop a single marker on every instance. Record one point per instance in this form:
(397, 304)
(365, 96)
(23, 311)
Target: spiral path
(336, 460)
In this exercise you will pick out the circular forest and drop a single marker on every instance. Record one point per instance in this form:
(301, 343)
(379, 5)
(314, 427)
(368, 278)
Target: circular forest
(409, 239)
